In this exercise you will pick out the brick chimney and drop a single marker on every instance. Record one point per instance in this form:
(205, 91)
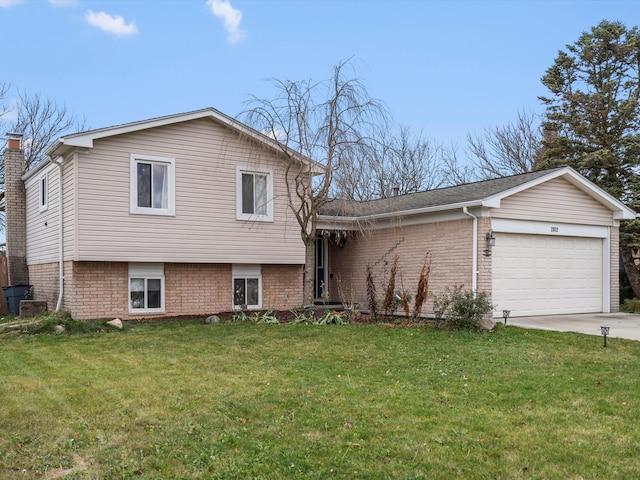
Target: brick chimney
(15, 211)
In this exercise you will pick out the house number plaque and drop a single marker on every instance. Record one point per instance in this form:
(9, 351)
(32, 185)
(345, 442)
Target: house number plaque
(555, 229)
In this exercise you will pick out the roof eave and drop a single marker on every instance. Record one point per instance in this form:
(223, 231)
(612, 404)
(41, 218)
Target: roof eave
(620, 210)
(344, 220)
(65, 145)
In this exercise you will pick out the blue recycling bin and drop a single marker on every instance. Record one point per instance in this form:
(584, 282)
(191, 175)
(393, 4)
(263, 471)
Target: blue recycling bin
(13, 294)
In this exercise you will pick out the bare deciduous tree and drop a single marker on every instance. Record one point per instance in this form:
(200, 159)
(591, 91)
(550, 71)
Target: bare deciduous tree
(456, 172)
(328, 121)
(4, 109)
(40, 120)
(508, 150)
(404, 161)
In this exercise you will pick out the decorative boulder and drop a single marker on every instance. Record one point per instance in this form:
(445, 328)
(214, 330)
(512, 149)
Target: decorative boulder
(115, 323)
(212, 319)
(58, 328)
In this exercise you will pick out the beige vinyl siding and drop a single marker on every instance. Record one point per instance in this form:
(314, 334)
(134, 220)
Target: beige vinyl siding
(69, 206)
(204, 228)
(554, 201)
(43, 240)
(42, 226)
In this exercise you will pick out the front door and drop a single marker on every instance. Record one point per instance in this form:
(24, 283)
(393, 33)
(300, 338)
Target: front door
(321, 268)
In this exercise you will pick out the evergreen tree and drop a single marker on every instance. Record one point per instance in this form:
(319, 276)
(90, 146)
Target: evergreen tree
(592, 120)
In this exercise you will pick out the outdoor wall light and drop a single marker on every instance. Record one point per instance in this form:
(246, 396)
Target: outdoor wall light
(491, 240)
(605, 331)
(438, 314)
(505, 315)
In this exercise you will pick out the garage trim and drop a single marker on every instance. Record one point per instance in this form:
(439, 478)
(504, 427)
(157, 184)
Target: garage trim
(548, 228)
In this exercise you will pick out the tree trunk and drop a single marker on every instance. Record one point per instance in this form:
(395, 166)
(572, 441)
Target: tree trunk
(309, 271)
(633, 270)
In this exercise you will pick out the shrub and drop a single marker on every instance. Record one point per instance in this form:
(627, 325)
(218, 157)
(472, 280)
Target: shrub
(423, 286)
(461, 308)
(371, 293)
(631, 305)
(390, 301)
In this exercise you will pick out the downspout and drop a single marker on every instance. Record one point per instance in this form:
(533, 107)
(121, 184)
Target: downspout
(60, 236)
(474, 277)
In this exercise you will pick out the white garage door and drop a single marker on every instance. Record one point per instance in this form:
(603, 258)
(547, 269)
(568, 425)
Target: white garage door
(547, 275)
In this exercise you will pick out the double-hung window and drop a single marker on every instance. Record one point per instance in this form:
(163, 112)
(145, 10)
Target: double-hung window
(247, 286)
(254, 195)
(152, 185)
(146, 287)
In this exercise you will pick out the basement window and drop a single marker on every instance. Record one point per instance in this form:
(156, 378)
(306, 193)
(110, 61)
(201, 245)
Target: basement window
(247, 286)
(146, 287)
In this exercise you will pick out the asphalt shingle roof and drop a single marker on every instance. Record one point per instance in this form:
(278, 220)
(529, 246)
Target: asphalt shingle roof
(468, 192)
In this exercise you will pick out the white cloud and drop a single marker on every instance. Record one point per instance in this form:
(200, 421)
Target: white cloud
(9, 3)
(231, 19)
(111, 24)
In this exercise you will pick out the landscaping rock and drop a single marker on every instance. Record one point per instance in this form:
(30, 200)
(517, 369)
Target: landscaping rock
(115, 323)
(212, 319)
(58, 328)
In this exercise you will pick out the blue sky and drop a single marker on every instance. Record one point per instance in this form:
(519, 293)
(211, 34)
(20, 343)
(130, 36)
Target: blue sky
(446, 68)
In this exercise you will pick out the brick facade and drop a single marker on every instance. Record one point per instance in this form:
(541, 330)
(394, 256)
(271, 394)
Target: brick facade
(46, 284)
(282, 286)
(449, 244)
(101, 289)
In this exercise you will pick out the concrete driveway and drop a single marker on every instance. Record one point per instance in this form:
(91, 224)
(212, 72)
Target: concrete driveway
(622, 325)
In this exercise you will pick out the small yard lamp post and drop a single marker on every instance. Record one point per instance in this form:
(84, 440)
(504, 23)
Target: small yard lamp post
(605, 332)
(505, 315)
(438, 315)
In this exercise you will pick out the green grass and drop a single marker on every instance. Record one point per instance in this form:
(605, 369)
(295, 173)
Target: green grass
(182, 399)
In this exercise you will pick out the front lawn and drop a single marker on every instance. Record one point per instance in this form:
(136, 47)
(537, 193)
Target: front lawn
(184, 399)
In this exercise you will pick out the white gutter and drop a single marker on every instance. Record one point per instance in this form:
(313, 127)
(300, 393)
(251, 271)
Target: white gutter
(474, 262)
(60, 235)
(339, 219)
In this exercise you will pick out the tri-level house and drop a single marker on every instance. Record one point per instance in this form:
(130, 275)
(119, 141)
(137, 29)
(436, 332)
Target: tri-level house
(180, 215)
(187, 215)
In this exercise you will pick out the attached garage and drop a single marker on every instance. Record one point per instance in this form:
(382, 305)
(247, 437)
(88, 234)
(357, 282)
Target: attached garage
(540, 243)
(544, 274)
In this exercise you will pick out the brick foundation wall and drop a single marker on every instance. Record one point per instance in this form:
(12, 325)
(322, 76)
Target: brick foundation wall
(100, 289)
(97, 289)
(46, 284)
(448, 242)
(282, 286)
(197, 289)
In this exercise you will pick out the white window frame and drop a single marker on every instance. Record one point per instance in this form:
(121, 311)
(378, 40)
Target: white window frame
(147, 271)
(43, 192)
(245, 272)
(268, 217)
(171, 185)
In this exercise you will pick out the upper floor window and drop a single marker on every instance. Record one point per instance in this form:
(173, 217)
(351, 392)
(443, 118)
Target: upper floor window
(152, 185)
(254, 195)
(44, 192)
